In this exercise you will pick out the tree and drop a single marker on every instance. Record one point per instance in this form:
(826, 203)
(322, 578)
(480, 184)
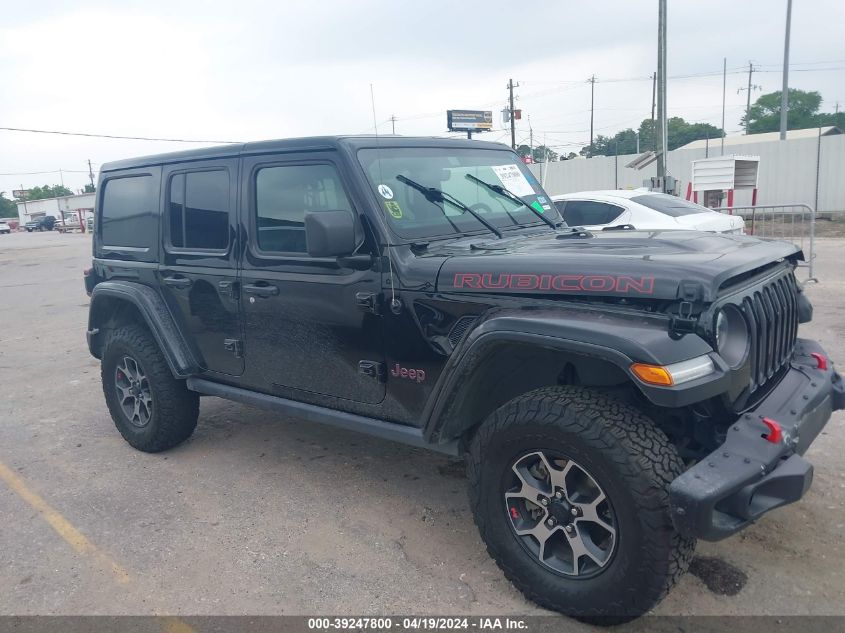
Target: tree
(89, 188)
(764, 115)
(541, 153)
(8, 209)
(625, 142)
(48, 191)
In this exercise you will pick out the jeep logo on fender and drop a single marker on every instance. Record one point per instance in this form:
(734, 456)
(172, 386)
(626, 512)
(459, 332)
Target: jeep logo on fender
(559, 283)
(417, 375)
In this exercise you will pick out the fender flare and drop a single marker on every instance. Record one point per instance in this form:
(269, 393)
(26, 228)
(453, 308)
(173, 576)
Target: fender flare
(616, 338)
(156, 316)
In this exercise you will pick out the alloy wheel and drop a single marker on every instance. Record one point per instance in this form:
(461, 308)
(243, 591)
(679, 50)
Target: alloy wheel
(133, 391)
(560, 514)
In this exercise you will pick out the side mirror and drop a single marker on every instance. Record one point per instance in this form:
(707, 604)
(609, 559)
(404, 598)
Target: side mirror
(329, 233)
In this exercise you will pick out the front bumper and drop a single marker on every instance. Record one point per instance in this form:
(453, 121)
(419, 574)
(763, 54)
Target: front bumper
(749, 475)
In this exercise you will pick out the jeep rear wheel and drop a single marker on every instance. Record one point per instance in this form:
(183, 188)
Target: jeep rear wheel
(569, 490)
(152, 410)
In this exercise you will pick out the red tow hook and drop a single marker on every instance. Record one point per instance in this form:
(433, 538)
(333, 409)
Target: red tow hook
(821, 360)
(775, 432)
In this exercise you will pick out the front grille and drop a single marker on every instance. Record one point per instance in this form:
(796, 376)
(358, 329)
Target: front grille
(772, 314)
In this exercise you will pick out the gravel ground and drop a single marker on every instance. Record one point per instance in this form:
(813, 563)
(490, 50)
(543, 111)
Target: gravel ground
(261, 514)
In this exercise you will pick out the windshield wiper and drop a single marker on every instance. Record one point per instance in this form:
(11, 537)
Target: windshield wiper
(435, 195)
(507, 193)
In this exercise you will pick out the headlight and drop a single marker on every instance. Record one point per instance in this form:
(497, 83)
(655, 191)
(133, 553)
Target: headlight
(732, 339)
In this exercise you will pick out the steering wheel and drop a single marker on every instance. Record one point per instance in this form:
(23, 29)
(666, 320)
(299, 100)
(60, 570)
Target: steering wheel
(480, 207)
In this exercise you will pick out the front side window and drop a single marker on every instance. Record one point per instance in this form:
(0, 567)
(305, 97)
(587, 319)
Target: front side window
(284, 194)
(452, 170)
(198, 210)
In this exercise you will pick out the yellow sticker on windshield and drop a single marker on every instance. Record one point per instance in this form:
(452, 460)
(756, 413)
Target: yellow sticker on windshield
(393, 209)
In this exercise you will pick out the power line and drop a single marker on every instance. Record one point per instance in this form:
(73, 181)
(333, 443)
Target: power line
(51, 171)
(115, 136)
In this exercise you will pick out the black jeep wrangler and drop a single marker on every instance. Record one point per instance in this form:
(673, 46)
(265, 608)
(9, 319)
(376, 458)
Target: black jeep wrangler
(617, 394)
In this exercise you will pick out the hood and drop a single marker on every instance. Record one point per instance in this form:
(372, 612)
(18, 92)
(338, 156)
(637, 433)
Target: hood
(634, 264)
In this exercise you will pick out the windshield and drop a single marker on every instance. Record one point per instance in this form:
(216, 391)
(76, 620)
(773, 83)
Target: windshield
(669, 205)
(413, 216)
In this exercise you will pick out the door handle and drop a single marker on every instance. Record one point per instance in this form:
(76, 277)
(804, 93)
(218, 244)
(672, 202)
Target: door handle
(177, 282)
(262, 290)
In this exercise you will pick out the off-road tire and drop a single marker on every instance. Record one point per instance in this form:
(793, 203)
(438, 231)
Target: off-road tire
(175, 408)
(631, 459)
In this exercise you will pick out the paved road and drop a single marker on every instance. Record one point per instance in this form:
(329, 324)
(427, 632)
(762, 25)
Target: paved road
(261, 514)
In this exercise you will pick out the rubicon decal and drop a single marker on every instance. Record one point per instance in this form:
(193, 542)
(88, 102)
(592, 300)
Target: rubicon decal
(555, 283)
(417, 375)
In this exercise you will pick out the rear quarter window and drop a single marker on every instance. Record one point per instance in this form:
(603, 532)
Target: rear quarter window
(128, 212)
(669, 205)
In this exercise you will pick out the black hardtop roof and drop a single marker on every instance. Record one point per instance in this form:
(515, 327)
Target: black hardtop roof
(309, 143)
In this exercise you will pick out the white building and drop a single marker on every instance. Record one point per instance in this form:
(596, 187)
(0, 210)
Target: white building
(807, 167)
(29, 210)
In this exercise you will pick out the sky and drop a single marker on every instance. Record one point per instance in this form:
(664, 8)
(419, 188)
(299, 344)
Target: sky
(251, 70)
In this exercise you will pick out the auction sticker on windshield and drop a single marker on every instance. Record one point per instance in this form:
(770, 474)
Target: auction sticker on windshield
(513, 179)
(393, 209)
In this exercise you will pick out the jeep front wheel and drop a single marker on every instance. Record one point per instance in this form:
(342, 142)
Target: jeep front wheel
(152, 410)
(569, 490)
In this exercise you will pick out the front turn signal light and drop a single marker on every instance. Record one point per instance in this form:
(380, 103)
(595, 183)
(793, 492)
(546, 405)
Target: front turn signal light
(674, 374)
(652, 374)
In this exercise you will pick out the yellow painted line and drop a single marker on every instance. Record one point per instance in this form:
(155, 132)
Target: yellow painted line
(62, 526)
(175, 625)
(77, 540)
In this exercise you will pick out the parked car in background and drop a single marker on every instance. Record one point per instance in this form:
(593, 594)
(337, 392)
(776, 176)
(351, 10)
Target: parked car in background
(45, 223)
(644, 210)
(5, 228)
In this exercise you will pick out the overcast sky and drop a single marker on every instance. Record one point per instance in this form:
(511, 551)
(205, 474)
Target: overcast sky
(249, 70)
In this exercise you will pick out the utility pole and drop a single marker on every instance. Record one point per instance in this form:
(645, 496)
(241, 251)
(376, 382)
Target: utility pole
(784, 97)
(91, 173)
(61, 177)
(724, 88)
(662, 131)
(530, 138)
(751, 87)
(653, 98)
(25, 210)
(513, 122)
(393, 124)
(592, 81)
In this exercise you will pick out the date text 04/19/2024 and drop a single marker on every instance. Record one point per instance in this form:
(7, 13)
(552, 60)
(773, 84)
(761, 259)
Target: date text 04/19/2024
(428, 623)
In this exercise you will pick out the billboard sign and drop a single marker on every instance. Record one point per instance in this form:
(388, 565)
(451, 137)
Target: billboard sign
(20, 194)
(469, 120)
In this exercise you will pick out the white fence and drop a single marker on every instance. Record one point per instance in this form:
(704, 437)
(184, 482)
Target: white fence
(809, 170)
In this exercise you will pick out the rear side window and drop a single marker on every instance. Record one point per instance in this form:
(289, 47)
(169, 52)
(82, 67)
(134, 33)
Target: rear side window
(198, 210)
(283, 195)
(588, 212)
(128, 209)
(669, 205)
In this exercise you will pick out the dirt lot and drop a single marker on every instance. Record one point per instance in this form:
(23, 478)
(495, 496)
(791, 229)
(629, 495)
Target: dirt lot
(260, 514)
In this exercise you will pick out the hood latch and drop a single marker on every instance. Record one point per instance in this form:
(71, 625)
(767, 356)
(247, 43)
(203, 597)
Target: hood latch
(684, 322)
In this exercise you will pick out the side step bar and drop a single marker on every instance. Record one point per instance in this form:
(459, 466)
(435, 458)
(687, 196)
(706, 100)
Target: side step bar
(385, 430)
